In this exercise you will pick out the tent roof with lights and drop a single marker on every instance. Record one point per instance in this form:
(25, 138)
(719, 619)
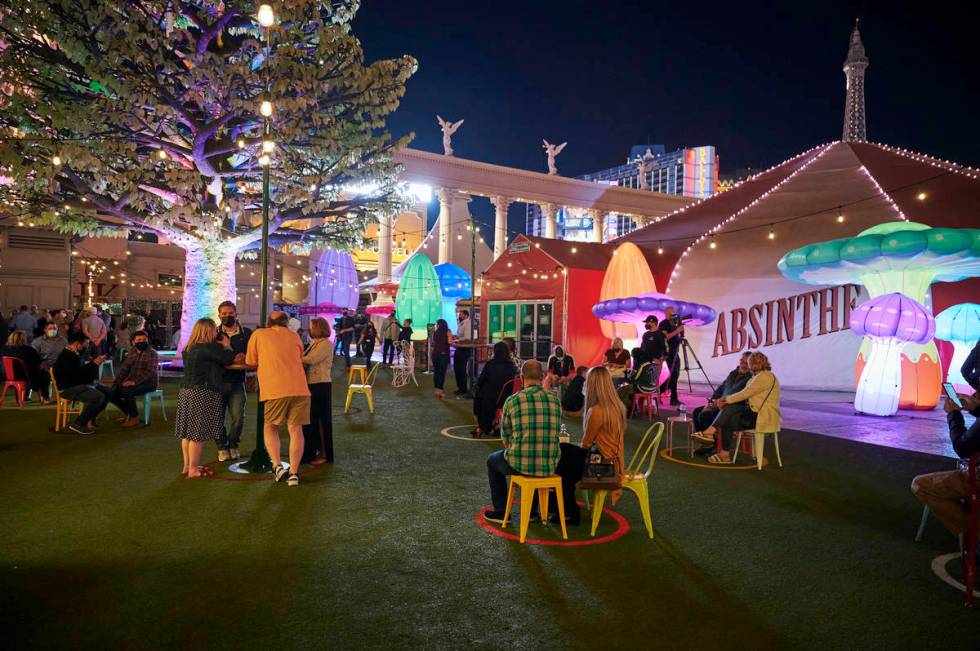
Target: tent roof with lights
(723, 251)
(864, 182)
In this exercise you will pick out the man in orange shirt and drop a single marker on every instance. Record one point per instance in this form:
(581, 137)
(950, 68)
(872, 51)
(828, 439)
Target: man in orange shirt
(278, 353)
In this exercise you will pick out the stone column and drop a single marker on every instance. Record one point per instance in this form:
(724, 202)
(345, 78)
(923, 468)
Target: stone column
(500, 225)
(549, 212)
(445, 205)
(598, 224)
(384, 247)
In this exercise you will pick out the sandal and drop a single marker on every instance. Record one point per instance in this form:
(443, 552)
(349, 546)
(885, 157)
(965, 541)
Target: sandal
(704, 438)
(718, 459)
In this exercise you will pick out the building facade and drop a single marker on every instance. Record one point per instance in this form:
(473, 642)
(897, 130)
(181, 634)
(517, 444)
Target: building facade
(688, 172)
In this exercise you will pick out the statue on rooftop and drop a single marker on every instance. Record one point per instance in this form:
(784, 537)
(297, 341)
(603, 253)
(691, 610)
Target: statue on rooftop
(553, 150)
(644, 165)
(448, 129)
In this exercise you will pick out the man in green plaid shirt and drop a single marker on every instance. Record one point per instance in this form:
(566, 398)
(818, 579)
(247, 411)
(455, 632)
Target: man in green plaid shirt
(529, 429)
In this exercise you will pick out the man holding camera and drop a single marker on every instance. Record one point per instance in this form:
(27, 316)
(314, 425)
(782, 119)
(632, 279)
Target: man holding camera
(673, 331)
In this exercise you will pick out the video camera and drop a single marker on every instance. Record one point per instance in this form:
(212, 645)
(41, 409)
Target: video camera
(678, 319)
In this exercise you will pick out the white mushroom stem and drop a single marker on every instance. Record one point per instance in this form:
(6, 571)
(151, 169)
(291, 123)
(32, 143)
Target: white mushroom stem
(880, 385)
(960, 351)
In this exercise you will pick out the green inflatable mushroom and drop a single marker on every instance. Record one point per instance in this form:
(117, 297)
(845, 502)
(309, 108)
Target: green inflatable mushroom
(419, 296)
(903, 257)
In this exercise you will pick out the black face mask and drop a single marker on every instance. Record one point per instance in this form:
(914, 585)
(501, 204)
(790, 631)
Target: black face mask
(143, 345)
(229, 321)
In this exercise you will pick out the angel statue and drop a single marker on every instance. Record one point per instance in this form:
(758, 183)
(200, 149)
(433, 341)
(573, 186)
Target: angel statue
(553, 150)
(448, 129)
(644, 165)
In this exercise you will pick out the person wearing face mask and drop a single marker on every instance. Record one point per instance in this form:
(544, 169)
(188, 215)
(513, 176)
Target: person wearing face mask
(561, 369)
(232, 383)
(464, 339)
(136, 376)
(77, 381)
(49, 345)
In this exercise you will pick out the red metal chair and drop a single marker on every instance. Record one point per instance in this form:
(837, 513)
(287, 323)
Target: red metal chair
(970, 537)
(10, 364)
(651, 400)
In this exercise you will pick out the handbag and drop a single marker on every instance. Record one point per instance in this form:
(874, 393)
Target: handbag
(598, 473)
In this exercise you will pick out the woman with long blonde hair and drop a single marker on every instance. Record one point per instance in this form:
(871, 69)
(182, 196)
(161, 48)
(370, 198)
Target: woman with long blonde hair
(604, 426)
(200, 407)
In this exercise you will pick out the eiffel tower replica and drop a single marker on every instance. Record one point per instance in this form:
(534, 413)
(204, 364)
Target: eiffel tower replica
(855, 129)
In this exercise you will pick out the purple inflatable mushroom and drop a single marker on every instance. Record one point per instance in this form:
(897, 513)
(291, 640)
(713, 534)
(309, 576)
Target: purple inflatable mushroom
(891, 322)
(634, 309)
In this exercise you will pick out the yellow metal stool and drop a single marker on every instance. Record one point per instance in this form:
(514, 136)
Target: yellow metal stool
(360, 370)
(364, 388)
(528, 486)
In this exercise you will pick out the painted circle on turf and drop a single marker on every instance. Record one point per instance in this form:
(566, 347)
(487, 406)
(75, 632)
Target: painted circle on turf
(665, 453)
(622, 528)
(238, 474)
(939, 564)
(446, 432)
(339, 411)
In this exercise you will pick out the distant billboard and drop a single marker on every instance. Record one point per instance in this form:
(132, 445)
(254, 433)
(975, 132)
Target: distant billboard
(700, 172)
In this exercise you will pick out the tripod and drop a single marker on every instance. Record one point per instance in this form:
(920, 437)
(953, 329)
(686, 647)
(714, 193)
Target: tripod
(685, 349)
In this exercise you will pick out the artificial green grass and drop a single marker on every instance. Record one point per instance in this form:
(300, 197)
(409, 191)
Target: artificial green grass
(105, 546)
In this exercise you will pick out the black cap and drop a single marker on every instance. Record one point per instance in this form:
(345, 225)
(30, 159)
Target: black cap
(650, 319)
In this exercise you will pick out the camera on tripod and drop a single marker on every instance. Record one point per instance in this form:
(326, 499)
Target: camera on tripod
(677, 319)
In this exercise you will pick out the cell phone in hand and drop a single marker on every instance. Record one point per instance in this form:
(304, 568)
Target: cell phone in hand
(951, 395)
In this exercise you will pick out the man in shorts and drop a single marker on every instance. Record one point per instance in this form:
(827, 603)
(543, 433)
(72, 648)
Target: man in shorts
(278, 353)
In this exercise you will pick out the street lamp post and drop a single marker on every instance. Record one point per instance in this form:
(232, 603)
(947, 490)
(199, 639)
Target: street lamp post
(259, 460)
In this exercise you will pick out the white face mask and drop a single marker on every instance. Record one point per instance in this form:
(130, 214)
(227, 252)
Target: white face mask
(51, 333)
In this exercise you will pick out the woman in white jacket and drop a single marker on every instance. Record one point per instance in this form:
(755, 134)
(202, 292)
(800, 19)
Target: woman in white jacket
(755, 407)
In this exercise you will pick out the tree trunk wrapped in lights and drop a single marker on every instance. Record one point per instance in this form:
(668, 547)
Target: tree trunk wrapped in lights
(146, 115)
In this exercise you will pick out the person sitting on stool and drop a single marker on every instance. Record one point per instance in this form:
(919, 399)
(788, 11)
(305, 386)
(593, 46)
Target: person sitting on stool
(944, 492)
(77, 381)
(735, 382)
(137, 375)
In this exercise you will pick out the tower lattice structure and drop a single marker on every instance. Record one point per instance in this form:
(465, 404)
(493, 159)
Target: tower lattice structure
(855, 128)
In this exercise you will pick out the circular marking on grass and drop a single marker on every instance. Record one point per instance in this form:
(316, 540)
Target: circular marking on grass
(939, 564)
(622, 528)
(339, 411)
(446, 432)
(666, 454)
(236, 473)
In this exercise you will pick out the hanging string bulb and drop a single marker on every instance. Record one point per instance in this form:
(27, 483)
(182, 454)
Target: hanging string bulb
(772, 233)
(712, 244)
(840, 215)
(660, 248)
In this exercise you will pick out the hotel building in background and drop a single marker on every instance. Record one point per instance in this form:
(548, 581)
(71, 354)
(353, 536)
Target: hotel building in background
(688, 172)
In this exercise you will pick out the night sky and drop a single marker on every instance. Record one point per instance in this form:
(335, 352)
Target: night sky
(761, 82)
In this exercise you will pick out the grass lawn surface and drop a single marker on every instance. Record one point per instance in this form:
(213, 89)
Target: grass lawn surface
(105, 545)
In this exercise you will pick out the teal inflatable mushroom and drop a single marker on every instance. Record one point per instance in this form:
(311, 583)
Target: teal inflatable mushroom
(899, 256)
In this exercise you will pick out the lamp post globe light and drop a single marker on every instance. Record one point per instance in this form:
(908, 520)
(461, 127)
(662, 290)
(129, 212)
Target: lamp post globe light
(259, 460)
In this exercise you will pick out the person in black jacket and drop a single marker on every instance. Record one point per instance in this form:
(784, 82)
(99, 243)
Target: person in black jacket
(574, 399)
(735, 382)
(944, 492)
(37, 375)
(496, 373)
(77, 381)
(232, 383)
(971, 368)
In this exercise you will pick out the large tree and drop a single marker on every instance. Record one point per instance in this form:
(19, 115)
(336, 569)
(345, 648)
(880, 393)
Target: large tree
(145, 114)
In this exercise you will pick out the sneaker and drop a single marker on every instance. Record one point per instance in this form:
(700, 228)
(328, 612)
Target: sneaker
(293, 480)
(223, 455)
(280, 472)
(81, 429)
(496, 517)
(233, 453)
(461, 396)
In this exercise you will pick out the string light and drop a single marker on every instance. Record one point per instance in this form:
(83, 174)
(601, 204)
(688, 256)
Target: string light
(840, 215)
(921, 196)
(772, 233)
(660, 248)
(241, 144)
(56, 161)
(713, 244)
(162, 154)
(265, 108)
(268, 146)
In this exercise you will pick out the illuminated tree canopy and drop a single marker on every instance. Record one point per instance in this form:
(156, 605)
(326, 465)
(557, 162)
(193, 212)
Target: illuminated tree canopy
(121, 114)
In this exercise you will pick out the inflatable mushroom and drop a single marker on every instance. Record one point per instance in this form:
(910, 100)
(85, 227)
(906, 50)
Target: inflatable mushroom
(419, 296)
(627, 275)
(900, 256)
(336, 280)
(959, 325)
(890, 322)
(455, 285)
